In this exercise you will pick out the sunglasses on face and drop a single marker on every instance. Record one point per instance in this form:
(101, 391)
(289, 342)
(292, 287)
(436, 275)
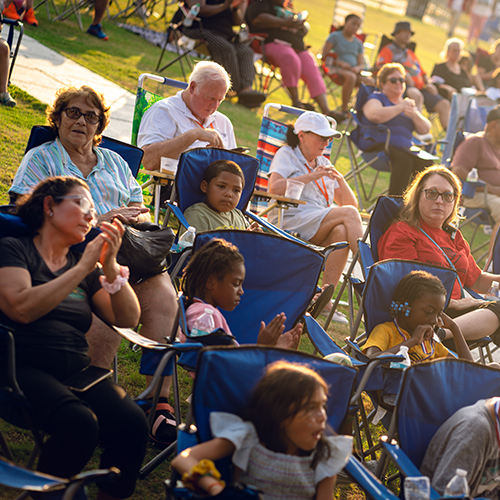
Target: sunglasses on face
(323, 139)
(432, 194)
(395, 80)
(86, 206)
(75, 113)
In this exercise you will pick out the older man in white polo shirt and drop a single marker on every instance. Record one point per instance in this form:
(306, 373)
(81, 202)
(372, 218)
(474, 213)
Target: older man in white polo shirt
(189, 119)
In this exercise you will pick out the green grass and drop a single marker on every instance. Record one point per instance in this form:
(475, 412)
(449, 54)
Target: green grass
(122, 59)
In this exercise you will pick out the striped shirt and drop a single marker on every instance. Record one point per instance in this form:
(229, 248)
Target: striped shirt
(111, 182)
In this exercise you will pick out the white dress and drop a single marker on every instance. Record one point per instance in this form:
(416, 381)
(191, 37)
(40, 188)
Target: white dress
(305, 219)
(277, 475)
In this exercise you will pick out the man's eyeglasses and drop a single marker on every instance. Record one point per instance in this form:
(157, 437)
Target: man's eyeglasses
(86, 206)
(75, 113)
(395, 80)
(432, 194)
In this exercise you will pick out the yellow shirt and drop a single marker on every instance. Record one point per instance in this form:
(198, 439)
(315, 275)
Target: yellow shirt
(386, 335)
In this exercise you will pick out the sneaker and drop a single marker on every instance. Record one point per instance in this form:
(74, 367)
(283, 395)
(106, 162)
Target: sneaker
(96, 30)
(164, 430)
(6, 100)
(10, 12)
(338, 317)
(29, 17)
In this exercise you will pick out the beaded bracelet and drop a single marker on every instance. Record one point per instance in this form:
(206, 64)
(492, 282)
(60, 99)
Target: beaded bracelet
(119, 281)
(203, 468)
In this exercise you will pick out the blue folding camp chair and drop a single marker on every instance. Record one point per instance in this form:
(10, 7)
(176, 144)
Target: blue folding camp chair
(41, 134)
(429, 394)
(476, 113)
(225, 379)
(15, 477)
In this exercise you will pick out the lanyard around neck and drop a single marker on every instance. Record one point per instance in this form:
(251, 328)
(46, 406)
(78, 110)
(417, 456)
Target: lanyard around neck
(449, 262)
(323, 191)
(425, 349)
(211, 125)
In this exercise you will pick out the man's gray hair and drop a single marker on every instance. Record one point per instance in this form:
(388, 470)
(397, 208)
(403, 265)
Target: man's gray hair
(205, 71)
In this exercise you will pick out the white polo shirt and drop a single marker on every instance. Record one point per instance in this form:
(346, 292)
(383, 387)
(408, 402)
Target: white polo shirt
(171, 117)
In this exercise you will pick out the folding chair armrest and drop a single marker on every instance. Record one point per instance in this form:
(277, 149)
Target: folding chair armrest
(469, 188)
(271, 227)
(178, 213)
(403, 463)
(474, 294)
(96, 476)
(334, 246)
(373, 486)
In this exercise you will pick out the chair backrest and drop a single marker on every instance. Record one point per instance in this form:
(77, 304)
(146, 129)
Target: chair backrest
(386, 209)
(144, 99)
(476, 113)
(431, 392)
(40, 134)
(386, 40)
(226, 377)
(344, 7)
(281, 276)
(272, 136)
(496, 254)
(191, 169)
(384, 277)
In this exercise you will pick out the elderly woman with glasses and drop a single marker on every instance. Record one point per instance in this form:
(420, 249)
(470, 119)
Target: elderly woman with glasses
(388, 106)
(78, 117)
(424, 232)
(47, 295)
(331, 211)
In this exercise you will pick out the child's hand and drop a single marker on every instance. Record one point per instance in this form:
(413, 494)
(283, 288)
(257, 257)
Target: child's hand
(421, 333)
(270, 334)
(291, 338)
(447, 322)
(254, 226)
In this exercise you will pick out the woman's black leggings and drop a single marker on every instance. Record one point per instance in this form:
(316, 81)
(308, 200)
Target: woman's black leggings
(75, 424)
(404, 166)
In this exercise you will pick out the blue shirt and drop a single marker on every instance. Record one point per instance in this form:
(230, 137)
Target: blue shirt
(111, 182)
(346, 50)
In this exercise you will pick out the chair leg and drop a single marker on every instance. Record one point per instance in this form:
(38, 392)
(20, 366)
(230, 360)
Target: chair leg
(5, 448)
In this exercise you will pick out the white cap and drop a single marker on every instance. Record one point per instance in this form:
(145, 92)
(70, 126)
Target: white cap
(309, 121)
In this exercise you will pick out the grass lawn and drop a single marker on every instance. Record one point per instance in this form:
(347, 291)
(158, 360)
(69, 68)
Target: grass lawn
(122, 59)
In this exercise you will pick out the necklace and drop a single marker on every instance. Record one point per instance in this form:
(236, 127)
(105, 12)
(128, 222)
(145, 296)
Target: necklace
(427, 350)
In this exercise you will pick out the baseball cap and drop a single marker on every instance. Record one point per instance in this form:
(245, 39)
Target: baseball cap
(309, 121)
(493, 115)
(402, 25)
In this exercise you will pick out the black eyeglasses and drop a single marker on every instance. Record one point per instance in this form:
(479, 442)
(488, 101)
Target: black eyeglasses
(75, 113)
(395, 80)
(432, 194)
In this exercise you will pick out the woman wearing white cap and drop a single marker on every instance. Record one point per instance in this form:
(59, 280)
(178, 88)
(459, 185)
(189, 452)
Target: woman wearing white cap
(331, 214)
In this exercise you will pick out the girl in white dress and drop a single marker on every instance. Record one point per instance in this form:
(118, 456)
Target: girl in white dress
(279, 447)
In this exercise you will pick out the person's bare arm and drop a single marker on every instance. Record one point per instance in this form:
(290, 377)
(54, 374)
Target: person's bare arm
(461, 172)
(172, 148)
(463, 350)
(344, 195)
(277, 183)
(325, 488)
(483, 283)
(265, 20)
(326, 50)
(376, 112)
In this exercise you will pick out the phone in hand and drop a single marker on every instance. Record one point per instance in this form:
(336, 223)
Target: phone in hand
(87, 378)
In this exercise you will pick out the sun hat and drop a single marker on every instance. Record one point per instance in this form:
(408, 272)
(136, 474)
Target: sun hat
(402, 25)
(309, 121)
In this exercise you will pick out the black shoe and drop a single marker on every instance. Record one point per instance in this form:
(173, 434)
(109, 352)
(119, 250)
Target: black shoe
(164, 429)
(251, 98)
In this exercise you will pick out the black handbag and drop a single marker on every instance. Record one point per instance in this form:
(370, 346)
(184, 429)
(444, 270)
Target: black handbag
(145, 250)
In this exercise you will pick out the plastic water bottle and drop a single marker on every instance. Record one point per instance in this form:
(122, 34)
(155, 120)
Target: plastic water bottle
(187, 239)
(195, 10)
(405, 363)
(473, 176)
(493, 292)
(457, 487)
(417, 488)
(204, 324)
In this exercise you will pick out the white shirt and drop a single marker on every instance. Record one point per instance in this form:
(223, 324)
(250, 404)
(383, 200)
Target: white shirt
(171, 117)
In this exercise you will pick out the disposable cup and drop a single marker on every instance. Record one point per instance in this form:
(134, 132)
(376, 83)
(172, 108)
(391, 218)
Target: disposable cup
(293, 189)
(168, 165)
